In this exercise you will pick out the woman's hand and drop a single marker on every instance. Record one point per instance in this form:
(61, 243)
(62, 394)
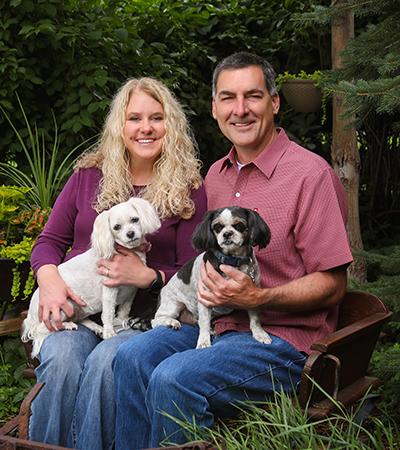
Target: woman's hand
(126, 269)
(53, 295)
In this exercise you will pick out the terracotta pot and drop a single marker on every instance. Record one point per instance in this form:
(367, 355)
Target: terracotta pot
(302, 95)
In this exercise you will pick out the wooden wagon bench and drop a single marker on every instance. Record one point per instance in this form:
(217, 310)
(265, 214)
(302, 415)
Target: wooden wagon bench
(338, 363)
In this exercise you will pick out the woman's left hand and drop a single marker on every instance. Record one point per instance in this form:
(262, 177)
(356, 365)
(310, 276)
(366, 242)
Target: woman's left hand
(125, 269)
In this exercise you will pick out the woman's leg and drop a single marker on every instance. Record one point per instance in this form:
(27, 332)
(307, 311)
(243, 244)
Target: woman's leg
(94, 419)
(133, 366)
(62, 358)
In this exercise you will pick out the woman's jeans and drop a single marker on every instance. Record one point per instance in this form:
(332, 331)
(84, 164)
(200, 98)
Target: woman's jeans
(76, 407)
(161, 371)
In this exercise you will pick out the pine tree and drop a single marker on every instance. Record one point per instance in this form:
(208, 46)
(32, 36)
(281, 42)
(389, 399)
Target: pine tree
(369, 78)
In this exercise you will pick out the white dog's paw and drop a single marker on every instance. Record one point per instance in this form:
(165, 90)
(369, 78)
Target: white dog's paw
(262, 336)
(167, 322)
(107, 334)
(203, 342)
(70, 326)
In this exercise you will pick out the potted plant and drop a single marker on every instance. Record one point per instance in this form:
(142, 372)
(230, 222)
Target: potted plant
(301, 91)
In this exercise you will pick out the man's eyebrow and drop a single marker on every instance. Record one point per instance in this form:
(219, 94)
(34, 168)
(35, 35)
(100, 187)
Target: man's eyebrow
(250, 92)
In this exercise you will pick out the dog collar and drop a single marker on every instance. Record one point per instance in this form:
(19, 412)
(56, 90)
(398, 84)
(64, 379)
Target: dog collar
(231, 260)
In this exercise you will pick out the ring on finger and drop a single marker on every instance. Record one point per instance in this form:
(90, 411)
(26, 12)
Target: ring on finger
(107, 272)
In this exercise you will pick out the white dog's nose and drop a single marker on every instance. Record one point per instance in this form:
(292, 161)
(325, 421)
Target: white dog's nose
(130, 234)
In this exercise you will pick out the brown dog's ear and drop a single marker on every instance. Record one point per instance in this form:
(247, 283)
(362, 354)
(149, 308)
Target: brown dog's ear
(259, 232)
(203, 237)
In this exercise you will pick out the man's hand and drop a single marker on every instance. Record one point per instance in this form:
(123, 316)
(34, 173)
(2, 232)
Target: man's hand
(238, 292)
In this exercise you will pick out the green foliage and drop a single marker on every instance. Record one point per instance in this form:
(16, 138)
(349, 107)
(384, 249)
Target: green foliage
(302, 75)
(47, 173)
(11, 200)
(278, 424)
(13, 386)
(369, 77)
(70, 57)
(386, 359)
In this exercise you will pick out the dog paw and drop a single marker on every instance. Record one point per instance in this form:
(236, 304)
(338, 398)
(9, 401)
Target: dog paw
(167, 322)
(262, 336)
(70, 326)
(107, 334)
(203, 343)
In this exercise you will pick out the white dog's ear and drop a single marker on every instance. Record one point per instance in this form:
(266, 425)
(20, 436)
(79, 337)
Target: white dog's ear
(102, 238)
(149, 219)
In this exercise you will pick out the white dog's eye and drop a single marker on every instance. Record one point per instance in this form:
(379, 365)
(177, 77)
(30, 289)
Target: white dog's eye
(117, 227)
(135, 219)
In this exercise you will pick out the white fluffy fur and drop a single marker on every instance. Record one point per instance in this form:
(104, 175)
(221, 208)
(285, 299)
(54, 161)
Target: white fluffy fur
(227, 230)
(125, 224)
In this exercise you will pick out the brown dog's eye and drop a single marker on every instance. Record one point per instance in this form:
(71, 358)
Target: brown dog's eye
(217, 228)
(241, 227)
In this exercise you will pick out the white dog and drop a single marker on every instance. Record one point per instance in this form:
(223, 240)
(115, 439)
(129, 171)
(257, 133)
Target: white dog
(125, 224)
(227, 235)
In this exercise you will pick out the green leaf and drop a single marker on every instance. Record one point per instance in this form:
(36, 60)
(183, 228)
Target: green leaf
(122, 33)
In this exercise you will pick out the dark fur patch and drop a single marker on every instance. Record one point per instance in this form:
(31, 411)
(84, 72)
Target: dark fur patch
(185, 272)
(209, 256)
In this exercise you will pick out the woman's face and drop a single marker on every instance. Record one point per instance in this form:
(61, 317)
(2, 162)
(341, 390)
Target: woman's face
(144, 128)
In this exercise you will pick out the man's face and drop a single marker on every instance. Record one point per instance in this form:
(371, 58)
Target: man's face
(245, 110)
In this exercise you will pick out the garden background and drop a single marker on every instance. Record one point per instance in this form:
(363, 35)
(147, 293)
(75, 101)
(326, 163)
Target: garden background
(62, 61)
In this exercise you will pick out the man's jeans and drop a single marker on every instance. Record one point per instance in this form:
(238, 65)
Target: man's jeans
(161, 371)
(76, 366)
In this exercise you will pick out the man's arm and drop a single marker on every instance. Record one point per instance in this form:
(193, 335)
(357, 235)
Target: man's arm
(316, 290)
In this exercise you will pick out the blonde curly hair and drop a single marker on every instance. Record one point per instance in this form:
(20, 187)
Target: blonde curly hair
(176, 171)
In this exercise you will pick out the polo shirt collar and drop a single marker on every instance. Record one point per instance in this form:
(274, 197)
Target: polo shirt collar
(268, 159)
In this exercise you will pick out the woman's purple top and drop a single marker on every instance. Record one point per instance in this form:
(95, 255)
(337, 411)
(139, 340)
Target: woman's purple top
(71, 223)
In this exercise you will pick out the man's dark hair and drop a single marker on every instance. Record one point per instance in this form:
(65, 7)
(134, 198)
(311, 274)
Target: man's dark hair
(242, 60)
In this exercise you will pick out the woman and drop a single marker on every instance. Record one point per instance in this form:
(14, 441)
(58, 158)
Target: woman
(145, 150)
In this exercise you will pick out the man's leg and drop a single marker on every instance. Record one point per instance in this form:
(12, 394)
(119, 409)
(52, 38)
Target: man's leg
(62, 357)
(94, 417)
(133, 366)
(205, 382)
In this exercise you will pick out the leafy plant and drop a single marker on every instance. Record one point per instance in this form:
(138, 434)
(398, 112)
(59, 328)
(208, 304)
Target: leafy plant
(13, 386)
(386, 358)
(21, 225)
(302, 75)
(47, 175)
(279, 424)
(11, 200)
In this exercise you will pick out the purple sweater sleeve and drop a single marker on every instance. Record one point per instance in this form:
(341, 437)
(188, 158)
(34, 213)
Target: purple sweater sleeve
(70, 223)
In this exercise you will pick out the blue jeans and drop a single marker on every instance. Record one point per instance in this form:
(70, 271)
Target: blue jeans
(76, 407)
(161, 370)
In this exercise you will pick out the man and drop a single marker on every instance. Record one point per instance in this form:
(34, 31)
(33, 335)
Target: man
(303, 276)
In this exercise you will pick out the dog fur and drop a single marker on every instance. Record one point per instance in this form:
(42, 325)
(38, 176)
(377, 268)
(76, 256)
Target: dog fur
(125, 224)
(225, 236)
